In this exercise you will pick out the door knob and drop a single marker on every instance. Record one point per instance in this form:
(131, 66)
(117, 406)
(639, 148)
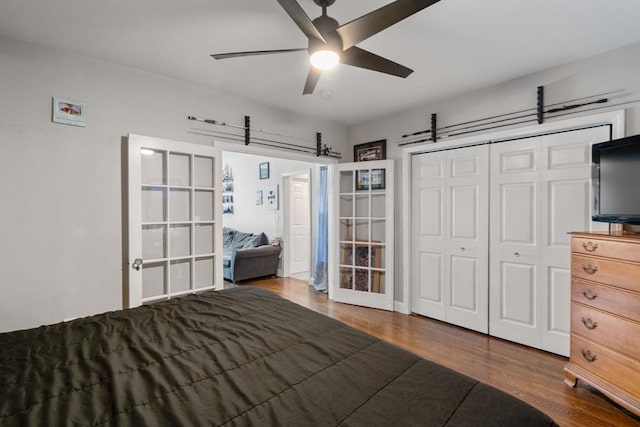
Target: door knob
(137, 263)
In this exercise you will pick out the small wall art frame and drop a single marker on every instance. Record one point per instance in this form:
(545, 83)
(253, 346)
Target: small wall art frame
(376, 150)
(271, 197)
(68, 112)
(263, 170)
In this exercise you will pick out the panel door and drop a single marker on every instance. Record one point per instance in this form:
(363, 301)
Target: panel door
(429, 275)
(362, 271)
(175, 228)
(566, 192)
(300, 227)
(468, 236)
(450, 244)
(515, 242)
(540, 191)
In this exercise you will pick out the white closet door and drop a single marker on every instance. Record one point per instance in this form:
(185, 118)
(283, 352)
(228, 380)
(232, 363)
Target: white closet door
(516, 207)
(430, 275)
(468, 252)
(540, 191)
(567, 199)
(450, 254)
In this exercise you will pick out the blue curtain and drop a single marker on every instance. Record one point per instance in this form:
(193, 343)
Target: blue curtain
(319, 279)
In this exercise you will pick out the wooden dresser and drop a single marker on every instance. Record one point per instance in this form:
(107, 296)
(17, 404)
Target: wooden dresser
(605, 315)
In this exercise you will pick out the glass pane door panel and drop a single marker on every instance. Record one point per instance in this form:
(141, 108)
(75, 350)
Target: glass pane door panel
(378, 282)
(346, 229)
(378, 230)
(180, 240)
(346, 278)
(362, 230)
(346, 254)
(362, 206)
(154, 241)
(362, 256)
(378, 205)
(362, 180)
(180, 275)
(378, 258)
(153, 168)
(346, 206)
(203, 172)
(204, 272)
(154, 280)
(204, 234)
(361, 279)
(179, 170)
(179, 205)
(153, 206)
(204, 205)
(346, 182)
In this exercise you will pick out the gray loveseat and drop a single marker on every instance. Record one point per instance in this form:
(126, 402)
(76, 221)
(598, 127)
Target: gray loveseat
(248, 255)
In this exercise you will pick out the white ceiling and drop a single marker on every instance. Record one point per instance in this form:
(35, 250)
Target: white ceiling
(454, 46)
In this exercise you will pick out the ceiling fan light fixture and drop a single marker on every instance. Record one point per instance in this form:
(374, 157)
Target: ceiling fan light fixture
(324, 59)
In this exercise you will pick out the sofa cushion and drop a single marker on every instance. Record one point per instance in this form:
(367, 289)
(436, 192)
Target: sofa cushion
(256, 241)
(240, 238)
(227, 235)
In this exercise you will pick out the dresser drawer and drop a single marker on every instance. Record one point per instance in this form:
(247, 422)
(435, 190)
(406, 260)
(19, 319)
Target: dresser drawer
(618, 301)
(621, 274)
(627, 251)
(606, 364)
(606, 329)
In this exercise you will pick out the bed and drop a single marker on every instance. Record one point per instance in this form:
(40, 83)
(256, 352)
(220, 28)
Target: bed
(238, 357)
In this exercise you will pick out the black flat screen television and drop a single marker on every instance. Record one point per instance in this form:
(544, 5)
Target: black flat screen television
(615, 174)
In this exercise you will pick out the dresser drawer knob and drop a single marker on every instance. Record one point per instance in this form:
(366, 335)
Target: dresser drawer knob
(588, 356)
(589, 294)
(589, 246)
(590, 324)
(590, 269)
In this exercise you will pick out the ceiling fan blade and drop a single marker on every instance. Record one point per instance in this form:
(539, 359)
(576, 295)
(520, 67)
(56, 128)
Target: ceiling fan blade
(361, 58)
(253, 53)
(312, 80)
(367, 25)
(301, 19)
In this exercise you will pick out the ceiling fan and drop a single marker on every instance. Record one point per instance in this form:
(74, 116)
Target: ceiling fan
(331, 43)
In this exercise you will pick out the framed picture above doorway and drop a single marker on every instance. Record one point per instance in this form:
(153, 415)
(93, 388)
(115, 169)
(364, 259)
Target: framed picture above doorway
(376, 150)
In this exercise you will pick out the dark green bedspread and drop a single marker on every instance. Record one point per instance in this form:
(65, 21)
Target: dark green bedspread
(242, 356)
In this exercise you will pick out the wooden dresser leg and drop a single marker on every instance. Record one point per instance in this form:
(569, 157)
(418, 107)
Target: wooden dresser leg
(570, 379)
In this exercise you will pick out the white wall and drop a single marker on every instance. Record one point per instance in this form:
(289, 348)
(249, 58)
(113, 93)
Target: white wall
(615, 70)
(60, 185)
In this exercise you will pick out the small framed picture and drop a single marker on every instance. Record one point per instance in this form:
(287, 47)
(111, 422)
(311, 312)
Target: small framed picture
(373, 179)
(68, 112)
(258, 197)
(370, 151)
(271, 197)
(263, 170)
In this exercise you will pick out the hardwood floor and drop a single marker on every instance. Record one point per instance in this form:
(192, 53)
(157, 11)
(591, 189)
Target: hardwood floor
(531, 375)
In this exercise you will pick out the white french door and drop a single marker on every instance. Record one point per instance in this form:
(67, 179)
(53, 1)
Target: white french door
(174, 230)
(450, 232)
(362, 234)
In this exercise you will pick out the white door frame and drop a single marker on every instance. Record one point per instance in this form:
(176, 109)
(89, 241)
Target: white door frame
(614, 118)
(286, 204)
